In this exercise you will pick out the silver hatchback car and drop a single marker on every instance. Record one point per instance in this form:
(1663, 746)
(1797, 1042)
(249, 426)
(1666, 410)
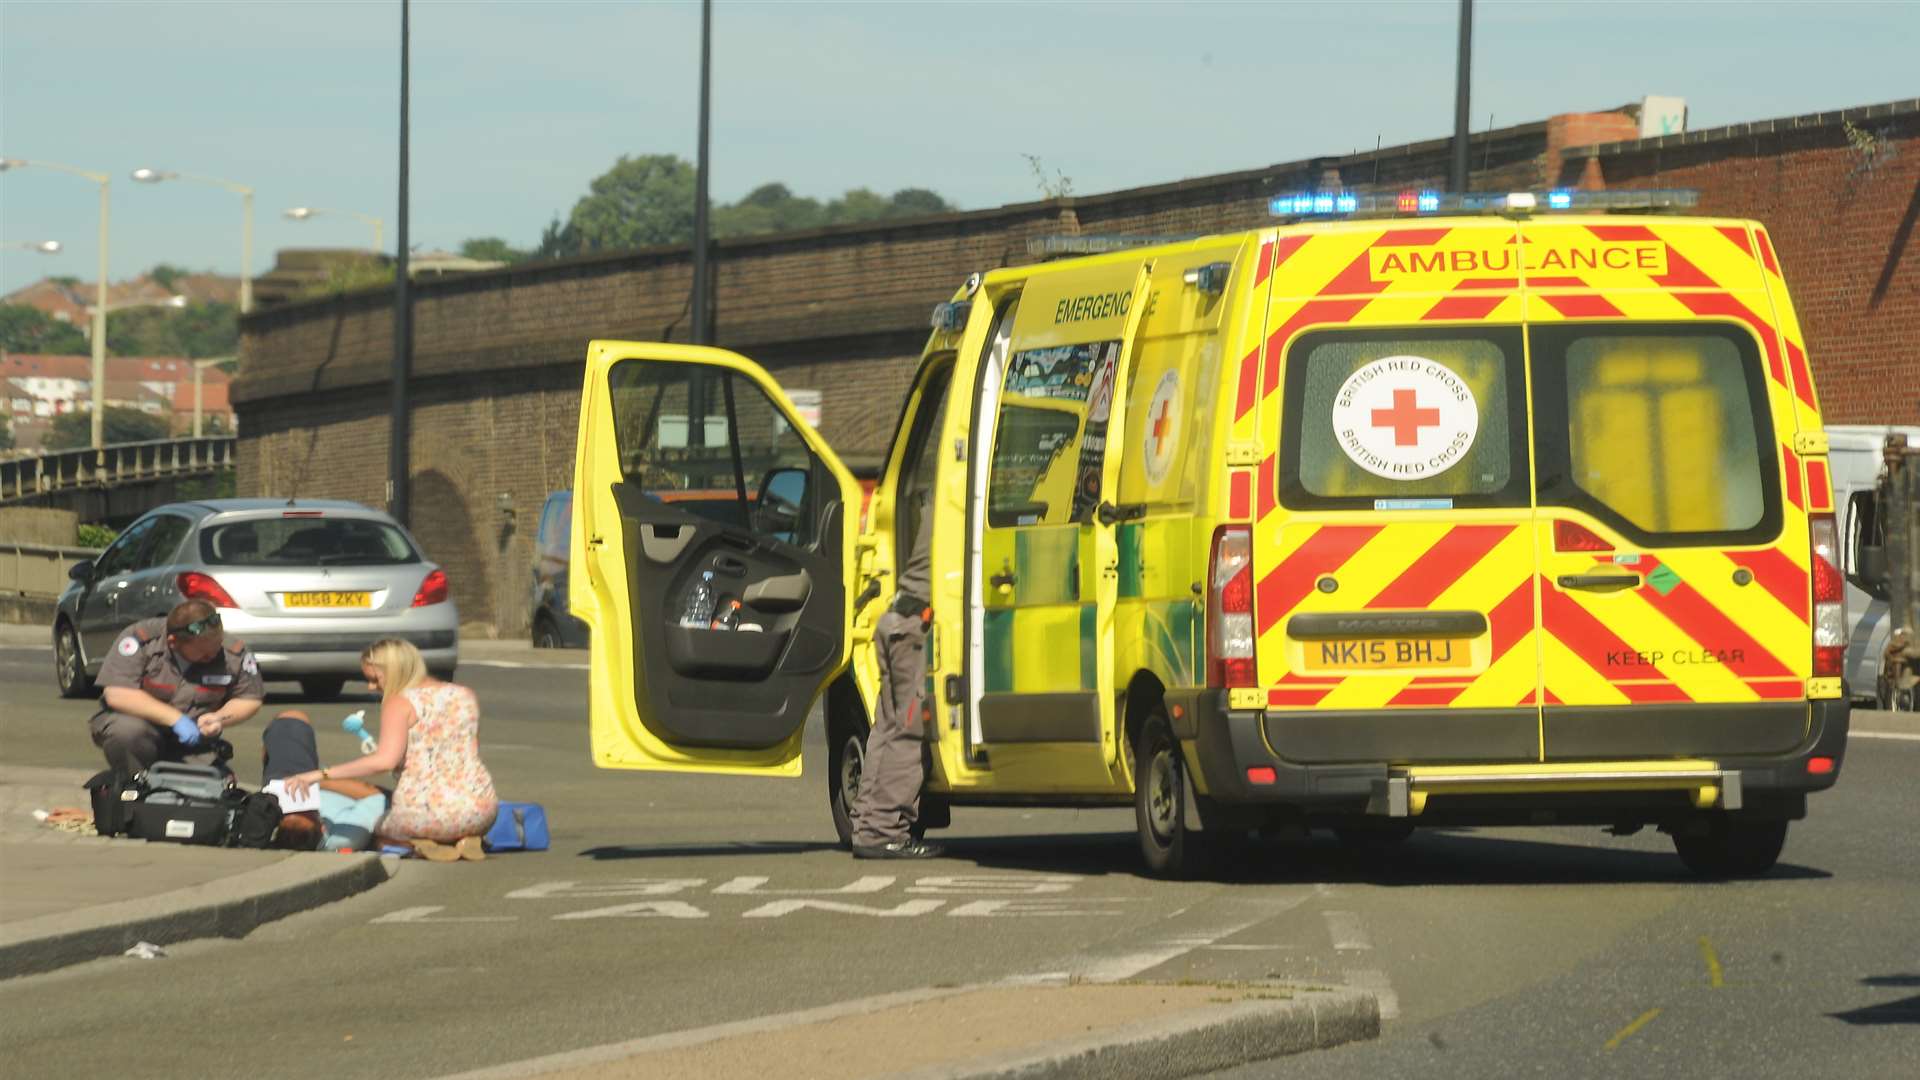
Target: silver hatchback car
(306, 584)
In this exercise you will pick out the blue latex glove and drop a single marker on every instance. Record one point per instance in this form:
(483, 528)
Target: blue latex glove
(187, 730)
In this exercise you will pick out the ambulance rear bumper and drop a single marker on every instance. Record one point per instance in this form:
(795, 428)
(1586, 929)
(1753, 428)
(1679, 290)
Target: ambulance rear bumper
(1227, 744)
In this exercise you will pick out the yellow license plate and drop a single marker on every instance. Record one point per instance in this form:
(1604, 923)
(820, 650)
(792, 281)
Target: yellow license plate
(1387, 654)
(329, 599)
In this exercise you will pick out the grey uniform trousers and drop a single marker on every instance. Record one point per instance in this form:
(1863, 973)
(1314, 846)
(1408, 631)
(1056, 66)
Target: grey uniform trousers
(131, 744)
(895, 766)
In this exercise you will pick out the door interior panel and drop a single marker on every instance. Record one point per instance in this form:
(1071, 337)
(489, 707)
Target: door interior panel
(739, 688)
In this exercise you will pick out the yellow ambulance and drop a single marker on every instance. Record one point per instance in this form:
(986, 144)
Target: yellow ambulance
(1409, 509)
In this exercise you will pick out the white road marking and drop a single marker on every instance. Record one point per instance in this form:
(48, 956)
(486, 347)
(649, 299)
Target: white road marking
(464, 662)
(1121, 966)
(1376, 983)
(425, 915)
(1247, 948)
(1347, 933)
(1901, 735)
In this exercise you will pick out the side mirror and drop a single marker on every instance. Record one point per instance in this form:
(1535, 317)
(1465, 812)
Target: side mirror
(1867, 555)
(783, 495)
(81, 571)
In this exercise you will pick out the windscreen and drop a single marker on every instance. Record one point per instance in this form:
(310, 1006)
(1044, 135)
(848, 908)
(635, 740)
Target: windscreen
(305, 541)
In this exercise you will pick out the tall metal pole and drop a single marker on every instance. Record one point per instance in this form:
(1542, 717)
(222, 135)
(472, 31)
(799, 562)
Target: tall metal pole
(702, 297)
(246, 252)
(1462, 89)
(100, 332)
(398, 459)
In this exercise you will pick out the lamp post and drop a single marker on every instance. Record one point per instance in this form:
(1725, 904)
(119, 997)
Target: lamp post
(302, 213)
(44, 247)
(100, 312)
(155, 176)
(200, 366)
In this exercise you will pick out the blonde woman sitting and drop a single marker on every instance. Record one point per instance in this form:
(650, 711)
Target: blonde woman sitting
(444, 801)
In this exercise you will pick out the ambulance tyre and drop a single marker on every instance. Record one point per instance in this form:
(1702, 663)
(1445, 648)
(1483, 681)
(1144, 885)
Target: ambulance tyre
(1731, 847)
(846, 754)
(1170, 849)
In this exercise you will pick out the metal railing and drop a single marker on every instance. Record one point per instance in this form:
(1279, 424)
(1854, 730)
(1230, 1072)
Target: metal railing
(64, 470)
(37, 570)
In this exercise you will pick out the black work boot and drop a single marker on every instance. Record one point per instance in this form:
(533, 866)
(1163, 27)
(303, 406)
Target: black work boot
(909, 848)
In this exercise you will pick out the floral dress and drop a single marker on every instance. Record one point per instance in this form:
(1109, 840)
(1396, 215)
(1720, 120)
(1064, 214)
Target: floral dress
(444, 792)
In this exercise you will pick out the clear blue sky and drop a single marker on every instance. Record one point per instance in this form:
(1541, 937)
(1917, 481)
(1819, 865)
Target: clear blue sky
(516, 106)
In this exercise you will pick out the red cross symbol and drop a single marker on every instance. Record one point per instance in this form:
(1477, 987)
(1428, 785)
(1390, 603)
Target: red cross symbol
(1161, 421)
(1405, 418)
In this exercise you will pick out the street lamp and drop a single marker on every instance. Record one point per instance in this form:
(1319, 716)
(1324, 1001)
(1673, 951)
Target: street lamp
(44, 247)
(100, 314)
(154, 176)
(199, 367)
(302, 213)
(174, 301)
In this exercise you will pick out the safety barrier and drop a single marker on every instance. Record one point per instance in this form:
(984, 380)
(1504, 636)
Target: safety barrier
(35, 476)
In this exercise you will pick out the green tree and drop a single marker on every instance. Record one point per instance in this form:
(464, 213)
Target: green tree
(72, 430)
(30, 330)
(350, 275)
(165, 274)
(197, 330)
(6, 434)
(640, 202)
(493, 249)
(768, 208)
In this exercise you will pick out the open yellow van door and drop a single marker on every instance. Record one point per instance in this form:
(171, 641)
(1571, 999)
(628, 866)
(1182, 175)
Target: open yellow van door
(712, 551)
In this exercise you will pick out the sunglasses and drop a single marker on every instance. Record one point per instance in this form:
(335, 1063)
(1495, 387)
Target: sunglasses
(197, 627)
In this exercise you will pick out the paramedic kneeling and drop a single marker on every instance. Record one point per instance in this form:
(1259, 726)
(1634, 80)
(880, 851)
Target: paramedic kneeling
(169, 683)
(895, 764)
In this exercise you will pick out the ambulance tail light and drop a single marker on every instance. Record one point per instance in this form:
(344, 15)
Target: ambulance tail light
(1573, 536)
(197, 586)
(1230, 638)
(432, 591)
(1829, 599)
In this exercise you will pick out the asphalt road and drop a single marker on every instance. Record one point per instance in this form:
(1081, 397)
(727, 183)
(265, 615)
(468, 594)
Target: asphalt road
(670, 903)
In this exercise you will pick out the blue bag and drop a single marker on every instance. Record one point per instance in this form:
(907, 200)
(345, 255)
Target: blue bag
(521, 826)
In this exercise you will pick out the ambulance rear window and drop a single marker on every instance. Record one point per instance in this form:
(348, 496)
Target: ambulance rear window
(1662, 431)
(1397, 418)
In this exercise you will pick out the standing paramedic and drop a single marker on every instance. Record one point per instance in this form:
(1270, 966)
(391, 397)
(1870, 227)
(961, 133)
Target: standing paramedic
(895, 764)
(169, 684)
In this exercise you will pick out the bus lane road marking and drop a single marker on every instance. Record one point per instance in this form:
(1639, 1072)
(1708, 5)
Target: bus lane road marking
(958, 896)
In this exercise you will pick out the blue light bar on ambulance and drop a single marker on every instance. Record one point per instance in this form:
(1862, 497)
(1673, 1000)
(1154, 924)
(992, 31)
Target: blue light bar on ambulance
(1381, 204)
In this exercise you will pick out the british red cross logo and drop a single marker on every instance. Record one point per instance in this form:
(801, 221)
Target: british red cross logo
(1405, 418)
(1161, 421)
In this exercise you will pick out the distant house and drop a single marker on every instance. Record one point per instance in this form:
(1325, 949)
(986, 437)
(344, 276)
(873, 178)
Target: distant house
(39, 386)
(69, 301)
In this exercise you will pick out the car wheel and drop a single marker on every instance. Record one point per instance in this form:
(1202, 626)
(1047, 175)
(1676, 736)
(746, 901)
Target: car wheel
(545, 634)
(68, 667)
(846, 758)
(1732, 847)
(1169, 848)
(321, 689)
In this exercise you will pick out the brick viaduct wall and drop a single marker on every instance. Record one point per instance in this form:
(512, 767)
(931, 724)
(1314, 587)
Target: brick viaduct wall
(1842, 218)
(498, 355)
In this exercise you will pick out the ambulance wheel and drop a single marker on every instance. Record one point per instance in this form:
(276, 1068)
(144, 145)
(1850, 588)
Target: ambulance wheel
(68, 668)
(322, 688)
(846, 756)
(1732, 847)
(1160, 801)
(1374, 838)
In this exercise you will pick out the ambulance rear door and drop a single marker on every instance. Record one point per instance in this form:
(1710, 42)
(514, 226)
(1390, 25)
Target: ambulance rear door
(1393, 543)
(1674, 495)
(716, 530)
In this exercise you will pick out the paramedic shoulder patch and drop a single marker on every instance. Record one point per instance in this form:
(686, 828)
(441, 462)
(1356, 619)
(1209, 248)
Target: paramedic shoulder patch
(1405, 418)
